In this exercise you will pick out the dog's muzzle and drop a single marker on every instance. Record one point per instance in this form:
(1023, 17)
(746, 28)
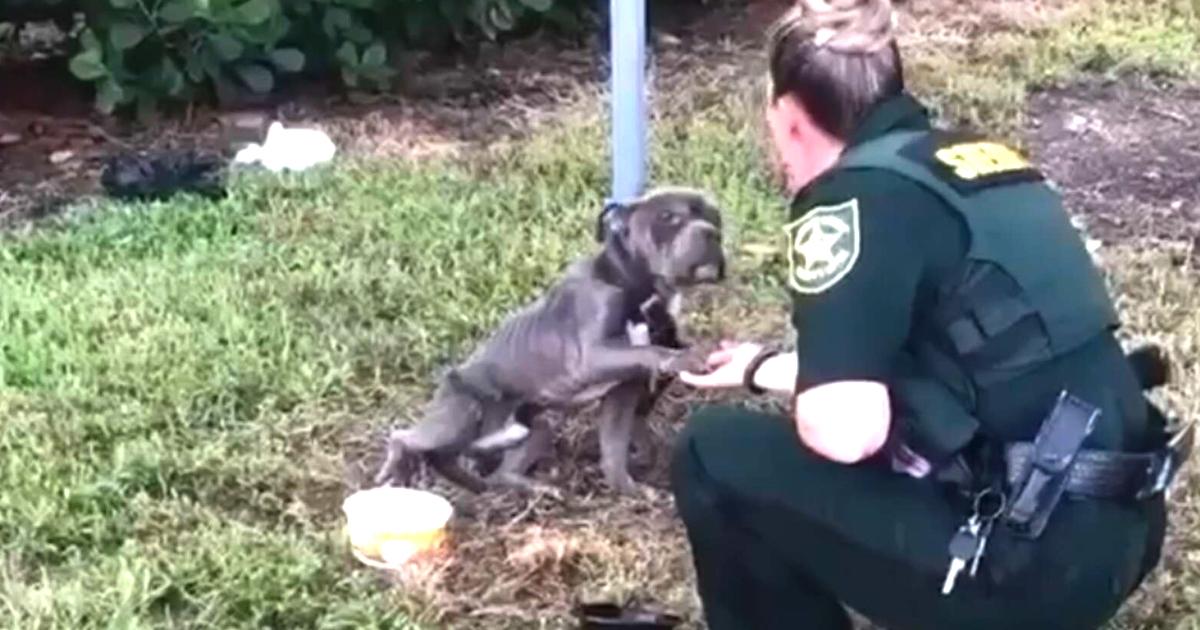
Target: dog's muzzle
(711, 267)
(711, 272)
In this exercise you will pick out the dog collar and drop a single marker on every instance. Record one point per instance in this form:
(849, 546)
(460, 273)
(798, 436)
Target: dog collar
(611, 218)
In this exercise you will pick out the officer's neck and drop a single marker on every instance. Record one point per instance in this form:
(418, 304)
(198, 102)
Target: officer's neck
(813, 158)
(806, 149)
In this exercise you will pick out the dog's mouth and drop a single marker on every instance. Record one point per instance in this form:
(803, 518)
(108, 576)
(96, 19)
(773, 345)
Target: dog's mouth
(708, 273)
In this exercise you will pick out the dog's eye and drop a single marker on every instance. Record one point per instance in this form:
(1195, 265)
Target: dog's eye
(670, 218)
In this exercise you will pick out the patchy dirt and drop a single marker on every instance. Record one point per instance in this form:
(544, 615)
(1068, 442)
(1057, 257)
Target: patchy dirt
(1125, 155)
(52, 145)
(527, 562)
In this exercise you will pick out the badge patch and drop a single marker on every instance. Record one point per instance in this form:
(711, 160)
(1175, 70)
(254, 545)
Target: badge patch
(970, 164)
(823, 246)
(972, 160)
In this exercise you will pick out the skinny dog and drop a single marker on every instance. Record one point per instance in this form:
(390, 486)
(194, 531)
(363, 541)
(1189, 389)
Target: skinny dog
(605, 331)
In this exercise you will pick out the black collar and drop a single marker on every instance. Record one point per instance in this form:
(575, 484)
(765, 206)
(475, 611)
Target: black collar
(617, 267)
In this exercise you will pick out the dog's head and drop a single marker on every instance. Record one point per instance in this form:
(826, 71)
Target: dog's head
(674, 232)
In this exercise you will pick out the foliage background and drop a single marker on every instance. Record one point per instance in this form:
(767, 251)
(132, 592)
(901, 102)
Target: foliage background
(140, 54)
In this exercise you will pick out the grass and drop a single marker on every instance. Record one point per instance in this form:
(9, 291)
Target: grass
(174, 376)
(978, 66)
(188, 388)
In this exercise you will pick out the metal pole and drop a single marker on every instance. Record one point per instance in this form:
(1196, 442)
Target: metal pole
(627, 28)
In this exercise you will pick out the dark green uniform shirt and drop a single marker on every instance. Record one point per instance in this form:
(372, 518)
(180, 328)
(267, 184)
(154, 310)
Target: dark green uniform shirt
(907, 242)
(868, 250)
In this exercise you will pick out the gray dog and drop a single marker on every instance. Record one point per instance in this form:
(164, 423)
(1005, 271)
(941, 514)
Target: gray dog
(605, 331)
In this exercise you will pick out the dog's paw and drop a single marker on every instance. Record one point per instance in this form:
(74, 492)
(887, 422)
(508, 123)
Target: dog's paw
(525, 485)
(683, 361)
(650, 494)
(631, 489)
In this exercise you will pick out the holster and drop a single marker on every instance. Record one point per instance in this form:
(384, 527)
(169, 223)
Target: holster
(1035, 494)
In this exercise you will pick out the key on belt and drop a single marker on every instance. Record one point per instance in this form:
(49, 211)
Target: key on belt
(970, 540)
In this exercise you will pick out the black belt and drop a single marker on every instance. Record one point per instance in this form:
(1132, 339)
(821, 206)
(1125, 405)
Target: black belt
(1112, 474)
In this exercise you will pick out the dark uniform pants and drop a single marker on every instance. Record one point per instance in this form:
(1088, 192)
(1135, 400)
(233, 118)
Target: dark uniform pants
(782, 538)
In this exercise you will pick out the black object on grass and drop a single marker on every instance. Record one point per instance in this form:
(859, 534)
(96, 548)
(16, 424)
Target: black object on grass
(163, 174)
(607, 616)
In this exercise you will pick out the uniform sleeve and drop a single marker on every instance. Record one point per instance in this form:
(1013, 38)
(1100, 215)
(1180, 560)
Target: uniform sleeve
(864, 250)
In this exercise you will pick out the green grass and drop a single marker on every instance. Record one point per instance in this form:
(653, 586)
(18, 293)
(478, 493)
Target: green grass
(177, 380)
(982, 78)
(184, 385)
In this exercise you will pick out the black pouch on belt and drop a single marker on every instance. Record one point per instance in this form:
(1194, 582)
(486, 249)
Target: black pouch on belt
(1035, 495)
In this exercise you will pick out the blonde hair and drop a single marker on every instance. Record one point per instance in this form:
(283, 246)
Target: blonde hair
(838, 57)
(845, 26)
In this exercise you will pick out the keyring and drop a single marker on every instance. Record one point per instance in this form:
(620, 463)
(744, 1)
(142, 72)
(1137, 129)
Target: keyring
(979, 500)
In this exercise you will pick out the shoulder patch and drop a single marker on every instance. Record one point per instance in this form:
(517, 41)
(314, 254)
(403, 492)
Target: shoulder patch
(823, 246)
(971, 163)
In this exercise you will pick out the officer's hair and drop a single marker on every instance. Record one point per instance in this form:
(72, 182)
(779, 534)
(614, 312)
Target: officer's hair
(838, 57)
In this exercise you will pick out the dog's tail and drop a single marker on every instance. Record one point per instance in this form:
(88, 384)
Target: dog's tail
(391, 472)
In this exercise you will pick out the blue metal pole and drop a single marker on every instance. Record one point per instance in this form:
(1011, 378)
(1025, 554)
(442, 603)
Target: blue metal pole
(627, 28)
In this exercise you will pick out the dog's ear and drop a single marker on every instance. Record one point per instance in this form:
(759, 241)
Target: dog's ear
(611, 220)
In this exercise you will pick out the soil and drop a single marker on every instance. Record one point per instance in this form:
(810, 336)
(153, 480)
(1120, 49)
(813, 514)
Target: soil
(1125, 155)
(53, 145)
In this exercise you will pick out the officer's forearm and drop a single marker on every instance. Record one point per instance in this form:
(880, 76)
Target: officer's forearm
(777, 374)
(845, 421)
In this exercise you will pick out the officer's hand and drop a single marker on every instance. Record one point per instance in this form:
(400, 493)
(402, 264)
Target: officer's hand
(730, 365)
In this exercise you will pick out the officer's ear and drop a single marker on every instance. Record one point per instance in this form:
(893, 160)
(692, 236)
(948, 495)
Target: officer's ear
(612, 220)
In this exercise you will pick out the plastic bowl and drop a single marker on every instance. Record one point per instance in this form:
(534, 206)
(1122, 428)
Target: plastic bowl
(390, 525)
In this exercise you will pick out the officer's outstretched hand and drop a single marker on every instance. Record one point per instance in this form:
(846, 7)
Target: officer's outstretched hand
(728, 366)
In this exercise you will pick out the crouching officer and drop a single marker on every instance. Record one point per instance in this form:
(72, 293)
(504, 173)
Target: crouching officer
(968, 445)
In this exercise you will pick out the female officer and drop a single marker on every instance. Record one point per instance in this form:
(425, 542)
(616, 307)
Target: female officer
(942, 302)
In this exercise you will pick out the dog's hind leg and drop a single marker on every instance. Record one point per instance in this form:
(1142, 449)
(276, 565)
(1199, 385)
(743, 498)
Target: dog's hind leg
(512, 472)
(447, 465)
(493, 433)
(454, 420)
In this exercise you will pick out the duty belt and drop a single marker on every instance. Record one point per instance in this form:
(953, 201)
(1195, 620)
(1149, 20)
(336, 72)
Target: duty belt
(1112, 474)
(1035, 476)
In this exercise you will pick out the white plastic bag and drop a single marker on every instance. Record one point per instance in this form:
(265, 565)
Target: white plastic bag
(295, 149)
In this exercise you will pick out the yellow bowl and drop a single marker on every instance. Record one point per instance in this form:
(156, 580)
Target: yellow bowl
(390, 525)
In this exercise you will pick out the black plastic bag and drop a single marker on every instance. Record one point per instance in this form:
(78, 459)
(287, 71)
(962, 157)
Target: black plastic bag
(163, 174)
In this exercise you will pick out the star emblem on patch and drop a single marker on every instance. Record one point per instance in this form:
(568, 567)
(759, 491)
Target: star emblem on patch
(823, 246)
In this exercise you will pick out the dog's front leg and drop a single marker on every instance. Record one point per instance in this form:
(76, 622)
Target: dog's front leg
(642, 442)
(615, 363)
(618, 418)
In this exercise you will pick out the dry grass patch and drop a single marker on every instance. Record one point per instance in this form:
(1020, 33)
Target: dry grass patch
(525, 563)
(1158, 294)
(180, 459)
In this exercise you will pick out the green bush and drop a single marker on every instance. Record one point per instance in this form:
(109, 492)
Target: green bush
(141, 53)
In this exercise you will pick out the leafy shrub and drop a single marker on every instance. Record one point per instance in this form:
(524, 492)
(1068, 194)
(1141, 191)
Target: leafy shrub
(140, 53)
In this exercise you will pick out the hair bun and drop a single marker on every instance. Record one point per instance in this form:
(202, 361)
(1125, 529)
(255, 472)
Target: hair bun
(849, 26)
